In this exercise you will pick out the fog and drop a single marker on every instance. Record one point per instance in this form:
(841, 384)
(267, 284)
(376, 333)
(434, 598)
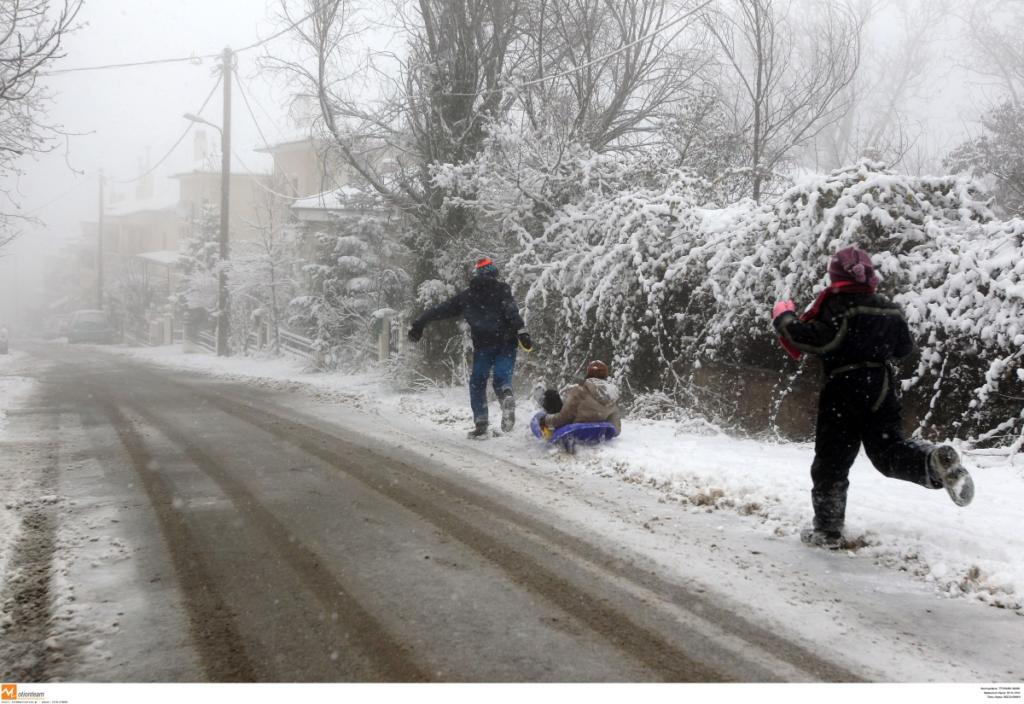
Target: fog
(122, 120)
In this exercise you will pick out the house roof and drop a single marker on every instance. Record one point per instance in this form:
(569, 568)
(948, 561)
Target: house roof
(281, 146)
(59, 303)
(344, 198)
(165, 257)
(210, 172)
(145, 205)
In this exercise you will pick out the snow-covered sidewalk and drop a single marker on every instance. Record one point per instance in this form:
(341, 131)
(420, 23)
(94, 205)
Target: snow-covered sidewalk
(974, 553)
(14, 389)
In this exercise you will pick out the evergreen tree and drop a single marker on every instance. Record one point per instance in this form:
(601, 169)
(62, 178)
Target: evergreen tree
(358, 276)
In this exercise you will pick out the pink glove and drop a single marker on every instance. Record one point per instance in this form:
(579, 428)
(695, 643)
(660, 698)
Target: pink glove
(783, 307)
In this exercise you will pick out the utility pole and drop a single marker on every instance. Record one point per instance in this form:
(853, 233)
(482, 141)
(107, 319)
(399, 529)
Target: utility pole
(99, 250)
(225, 201)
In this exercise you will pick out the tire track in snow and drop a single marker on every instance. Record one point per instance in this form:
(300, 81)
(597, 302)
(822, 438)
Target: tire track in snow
(429, 496)
(211, 620)
(392, 660)
(597, 603)
(427, 500)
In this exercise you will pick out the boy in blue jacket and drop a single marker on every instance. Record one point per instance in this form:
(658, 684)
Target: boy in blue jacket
(496, 328)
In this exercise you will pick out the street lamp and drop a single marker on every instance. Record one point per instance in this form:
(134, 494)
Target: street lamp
(202, 120)
(223, 321)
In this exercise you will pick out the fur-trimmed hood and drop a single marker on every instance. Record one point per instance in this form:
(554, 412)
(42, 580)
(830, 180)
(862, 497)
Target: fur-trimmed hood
(604, 392)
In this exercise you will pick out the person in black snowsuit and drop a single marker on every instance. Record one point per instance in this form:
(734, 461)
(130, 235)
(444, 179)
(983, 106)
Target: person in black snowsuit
(859, 334)
(496, 328)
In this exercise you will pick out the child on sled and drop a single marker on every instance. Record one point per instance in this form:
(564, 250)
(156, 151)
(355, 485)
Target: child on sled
(593, 400)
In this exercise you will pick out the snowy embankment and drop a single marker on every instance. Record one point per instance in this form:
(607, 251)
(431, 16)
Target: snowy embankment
(13, 390)
(975, 553)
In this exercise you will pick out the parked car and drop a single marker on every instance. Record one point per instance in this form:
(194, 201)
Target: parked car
(3, 340)
(90, 326)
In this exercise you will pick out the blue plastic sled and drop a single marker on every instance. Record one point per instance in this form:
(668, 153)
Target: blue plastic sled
(568, 435)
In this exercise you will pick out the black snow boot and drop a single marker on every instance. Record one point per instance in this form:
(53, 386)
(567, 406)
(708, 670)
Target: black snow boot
(479, 432)
(508, 410)
(828, 539)
(945, 469)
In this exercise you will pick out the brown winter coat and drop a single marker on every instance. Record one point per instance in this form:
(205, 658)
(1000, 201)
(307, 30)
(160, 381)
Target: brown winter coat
(591, 401)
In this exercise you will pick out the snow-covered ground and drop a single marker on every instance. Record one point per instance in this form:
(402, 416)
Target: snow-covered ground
(974, 553)
(14, 389)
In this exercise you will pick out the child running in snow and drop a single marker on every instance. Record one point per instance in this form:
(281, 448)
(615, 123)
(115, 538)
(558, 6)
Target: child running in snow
(593, 400)
(859, 333)
(497, 328)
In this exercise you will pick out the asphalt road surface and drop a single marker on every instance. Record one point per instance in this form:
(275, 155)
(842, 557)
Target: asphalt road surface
(219, 535)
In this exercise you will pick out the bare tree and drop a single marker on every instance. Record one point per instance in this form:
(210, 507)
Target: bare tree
(876, 123)
(996, 151)
(31, 38)
(789, 76)
(601, 71)
(996, 52)
(431, 107)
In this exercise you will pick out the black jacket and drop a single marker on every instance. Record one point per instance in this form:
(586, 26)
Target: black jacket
(850, 329)
(488, 307)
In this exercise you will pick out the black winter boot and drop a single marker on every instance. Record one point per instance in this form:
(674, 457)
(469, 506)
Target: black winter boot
(479, 432)
(508, 410)
(828, 539)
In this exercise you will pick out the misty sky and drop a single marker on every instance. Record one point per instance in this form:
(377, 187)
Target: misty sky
(123, 116)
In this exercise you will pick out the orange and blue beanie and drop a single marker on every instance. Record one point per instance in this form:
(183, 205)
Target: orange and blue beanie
(486, 267)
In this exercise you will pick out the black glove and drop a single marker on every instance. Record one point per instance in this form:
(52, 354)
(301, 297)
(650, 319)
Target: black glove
(525, 341)
(416, 332)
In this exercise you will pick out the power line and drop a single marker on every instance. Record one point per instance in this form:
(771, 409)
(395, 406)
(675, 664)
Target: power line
(257, 182)
(245, 99)
(263, 110)
(179, 140)
(65, 194)
(196, 59)
(266, 144)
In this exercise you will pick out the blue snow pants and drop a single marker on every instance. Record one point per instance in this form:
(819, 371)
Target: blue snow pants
(501, 359)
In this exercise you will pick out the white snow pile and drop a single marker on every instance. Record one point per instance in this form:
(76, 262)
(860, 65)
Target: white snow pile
(975, 552)
(659, 280)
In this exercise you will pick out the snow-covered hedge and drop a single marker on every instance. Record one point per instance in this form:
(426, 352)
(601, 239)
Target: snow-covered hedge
(660, 281)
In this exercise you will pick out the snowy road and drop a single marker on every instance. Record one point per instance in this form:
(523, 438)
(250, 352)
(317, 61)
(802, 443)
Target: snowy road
(180, 528)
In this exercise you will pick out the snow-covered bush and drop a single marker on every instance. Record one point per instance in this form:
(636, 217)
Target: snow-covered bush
(357, 275)
(658, 283)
